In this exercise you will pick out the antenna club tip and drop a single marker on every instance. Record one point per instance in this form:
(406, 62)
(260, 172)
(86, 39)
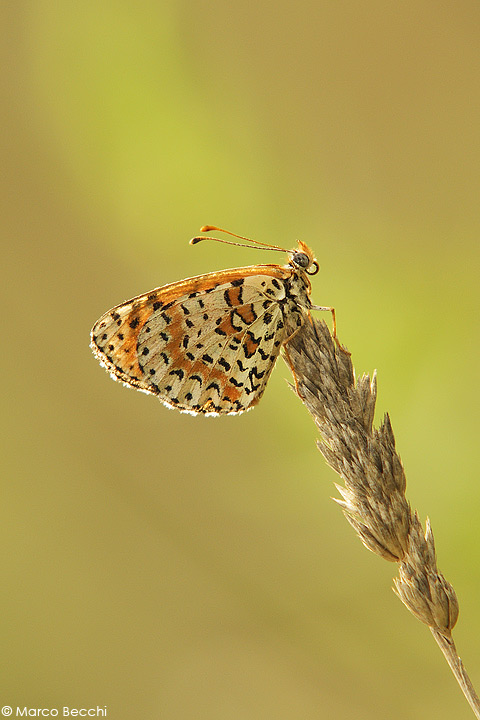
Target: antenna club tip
(208, 228)
(195, 240)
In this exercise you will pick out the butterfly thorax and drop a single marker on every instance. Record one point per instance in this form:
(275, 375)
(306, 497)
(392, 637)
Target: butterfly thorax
(296, 304)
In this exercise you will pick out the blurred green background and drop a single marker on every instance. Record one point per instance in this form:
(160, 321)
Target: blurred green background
(175, 567)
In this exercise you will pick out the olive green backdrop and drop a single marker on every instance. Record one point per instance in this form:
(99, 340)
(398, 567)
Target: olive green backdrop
(167, 566)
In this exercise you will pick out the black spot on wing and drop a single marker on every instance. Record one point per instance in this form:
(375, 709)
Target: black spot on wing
(235, 382)
(179, 372)
(224, 364)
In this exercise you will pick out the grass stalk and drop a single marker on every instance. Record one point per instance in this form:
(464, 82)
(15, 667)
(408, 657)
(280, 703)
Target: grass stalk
(373, 494)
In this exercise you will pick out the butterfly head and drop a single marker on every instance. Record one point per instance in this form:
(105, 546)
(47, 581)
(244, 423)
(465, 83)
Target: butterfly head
(302, 259)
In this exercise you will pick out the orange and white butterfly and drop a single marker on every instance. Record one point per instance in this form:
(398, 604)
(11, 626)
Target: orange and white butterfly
(209, 343)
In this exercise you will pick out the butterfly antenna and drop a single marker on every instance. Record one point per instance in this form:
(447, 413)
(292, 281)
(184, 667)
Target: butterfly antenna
(209, 228)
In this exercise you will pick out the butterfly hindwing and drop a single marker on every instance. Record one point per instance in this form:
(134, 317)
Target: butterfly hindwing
(114, 340)
(206, 345)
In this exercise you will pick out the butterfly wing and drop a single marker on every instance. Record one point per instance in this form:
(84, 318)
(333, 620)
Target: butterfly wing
(203, 345)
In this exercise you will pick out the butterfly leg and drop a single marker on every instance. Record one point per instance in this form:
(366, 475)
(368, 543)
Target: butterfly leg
(334, 324)
(334, 320)
(287, 358)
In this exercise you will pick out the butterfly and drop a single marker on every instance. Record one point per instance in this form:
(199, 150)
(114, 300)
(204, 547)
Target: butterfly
(208, 344)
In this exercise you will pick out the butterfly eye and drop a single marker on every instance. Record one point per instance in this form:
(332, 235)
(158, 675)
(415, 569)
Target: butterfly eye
(301, 260)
